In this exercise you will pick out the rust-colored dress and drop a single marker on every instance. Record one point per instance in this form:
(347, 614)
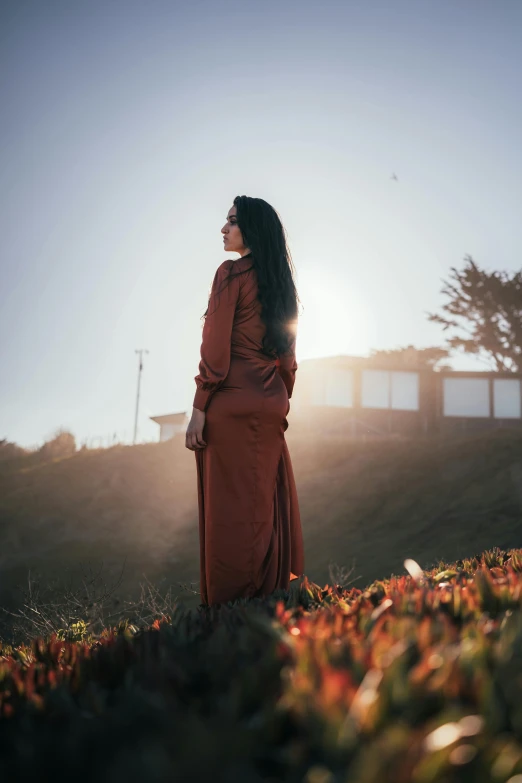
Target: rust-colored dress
(249, 524)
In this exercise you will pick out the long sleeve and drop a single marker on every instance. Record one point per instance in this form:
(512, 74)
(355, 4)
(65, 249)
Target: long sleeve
(287, 367)
(217, 332)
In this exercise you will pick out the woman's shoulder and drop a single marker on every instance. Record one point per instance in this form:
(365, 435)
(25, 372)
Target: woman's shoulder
(224, 268)
(235, 265)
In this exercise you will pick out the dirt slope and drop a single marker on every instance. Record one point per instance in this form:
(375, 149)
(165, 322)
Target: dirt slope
(368, 504)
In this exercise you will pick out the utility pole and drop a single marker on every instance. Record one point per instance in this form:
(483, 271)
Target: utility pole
(140, 351)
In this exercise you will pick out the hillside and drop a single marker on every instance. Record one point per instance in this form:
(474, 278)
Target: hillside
(363, 504)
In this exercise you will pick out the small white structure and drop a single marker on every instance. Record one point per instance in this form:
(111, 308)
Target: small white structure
(171, 424)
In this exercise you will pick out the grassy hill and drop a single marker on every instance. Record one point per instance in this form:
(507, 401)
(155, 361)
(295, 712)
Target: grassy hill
(416, 679)
(366, 505)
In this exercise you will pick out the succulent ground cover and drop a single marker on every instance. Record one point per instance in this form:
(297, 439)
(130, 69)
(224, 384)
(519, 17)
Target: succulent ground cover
(414, 678)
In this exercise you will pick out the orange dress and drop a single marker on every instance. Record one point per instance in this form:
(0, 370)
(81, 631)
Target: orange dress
(249, 524)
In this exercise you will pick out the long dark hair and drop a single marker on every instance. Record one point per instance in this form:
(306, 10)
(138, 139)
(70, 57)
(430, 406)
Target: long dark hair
(264, 235)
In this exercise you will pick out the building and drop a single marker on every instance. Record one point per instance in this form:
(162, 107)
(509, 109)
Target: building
(353, 395)
(171, 424)
(404, 397)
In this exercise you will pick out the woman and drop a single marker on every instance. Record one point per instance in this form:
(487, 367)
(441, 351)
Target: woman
(249, 525)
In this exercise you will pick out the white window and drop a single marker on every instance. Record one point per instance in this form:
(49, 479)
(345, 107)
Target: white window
(375, 389)
(466, 397)
(339, 388)
(405, 391)
(507, 398)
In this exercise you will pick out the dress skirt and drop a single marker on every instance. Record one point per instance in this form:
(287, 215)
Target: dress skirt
(249, 524)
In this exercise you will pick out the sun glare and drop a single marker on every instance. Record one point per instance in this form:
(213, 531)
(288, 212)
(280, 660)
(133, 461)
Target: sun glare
(334, 319)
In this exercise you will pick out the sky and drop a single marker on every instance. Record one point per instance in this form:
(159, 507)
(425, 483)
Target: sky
(127, 129)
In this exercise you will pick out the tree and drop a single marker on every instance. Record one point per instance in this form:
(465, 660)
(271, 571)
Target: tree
(489, 306)
(412, 357)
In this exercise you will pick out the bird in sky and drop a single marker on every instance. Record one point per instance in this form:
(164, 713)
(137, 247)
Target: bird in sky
(394, 176)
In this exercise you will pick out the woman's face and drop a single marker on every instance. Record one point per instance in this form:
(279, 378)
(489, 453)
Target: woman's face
(232, 237)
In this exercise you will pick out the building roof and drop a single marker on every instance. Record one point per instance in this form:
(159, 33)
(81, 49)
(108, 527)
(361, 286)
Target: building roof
(378, 363)
(367, 362)
(169, 418)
